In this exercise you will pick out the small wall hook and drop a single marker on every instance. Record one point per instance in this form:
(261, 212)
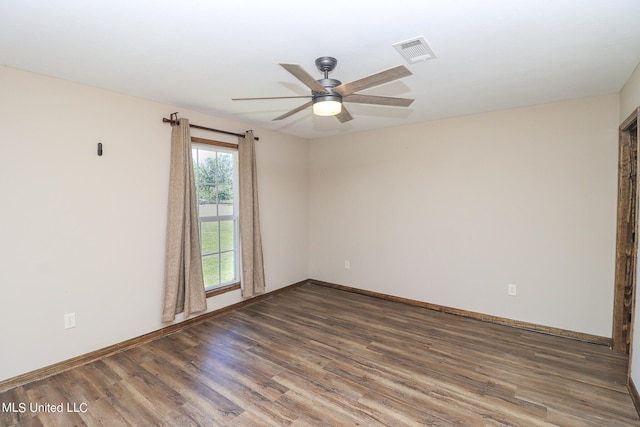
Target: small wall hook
(99, 148)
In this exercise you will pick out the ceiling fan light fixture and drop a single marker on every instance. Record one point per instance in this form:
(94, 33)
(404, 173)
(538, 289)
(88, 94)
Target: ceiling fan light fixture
(327, 94)
(327, 107)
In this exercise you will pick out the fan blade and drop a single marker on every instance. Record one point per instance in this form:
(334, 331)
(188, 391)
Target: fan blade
(295, 110)
(378, 100)
(306, 78)
(373, 80)
(270, 97)
(344, 115)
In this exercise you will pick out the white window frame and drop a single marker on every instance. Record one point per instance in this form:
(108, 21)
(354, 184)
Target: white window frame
(220, 218)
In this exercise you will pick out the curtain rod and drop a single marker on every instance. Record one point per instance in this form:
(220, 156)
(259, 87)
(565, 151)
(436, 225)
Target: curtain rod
(165, 120)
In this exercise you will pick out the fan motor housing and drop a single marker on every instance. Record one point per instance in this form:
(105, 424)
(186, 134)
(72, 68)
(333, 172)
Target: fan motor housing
(328, 84)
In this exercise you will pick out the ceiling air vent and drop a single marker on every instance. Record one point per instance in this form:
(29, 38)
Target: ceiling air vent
(415, 50)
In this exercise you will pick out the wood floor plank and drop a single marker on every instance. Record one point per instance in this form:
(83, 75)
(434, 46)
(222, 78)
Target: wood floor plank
(329, 398)
(12, 414)
(130, 405)
(101, 413)
(315, 355)
(143, 381)
(215, 376)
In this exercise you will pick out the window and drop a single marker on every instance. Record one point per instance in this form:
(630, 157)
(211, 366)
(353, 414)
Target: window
(216, 175)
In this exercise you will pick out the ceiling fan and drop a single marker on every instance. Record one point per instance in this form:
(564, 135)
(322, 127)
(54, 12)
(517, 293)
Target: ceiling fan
(327, 95)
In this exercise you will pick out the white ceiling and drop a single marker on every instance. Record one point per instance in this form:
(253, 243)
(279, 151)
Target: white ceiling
(198, 54)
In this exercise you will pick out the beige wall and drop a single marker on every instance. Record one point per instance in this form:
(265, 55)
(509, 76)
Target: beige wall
(630, 95)
(85, 234)
(447, 212)
(452, 211)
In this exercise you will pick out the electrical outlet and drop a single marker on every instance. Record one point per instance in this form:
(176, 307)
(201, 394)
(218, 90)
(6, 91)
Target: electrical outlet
(69, 320)
(511, 290)
(347, 265)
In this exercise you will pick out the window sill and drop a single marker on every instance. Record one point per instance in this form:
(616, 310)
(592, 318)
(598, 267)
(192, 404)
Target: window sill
(222, 290)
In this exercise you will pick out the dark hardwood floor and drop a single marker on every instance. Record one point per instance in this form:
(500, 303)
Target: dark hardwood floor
(320, 356)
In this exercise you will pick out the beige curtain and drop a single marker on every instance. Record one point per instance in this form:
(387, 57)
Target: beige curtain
(250, 237)
(184, 284)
